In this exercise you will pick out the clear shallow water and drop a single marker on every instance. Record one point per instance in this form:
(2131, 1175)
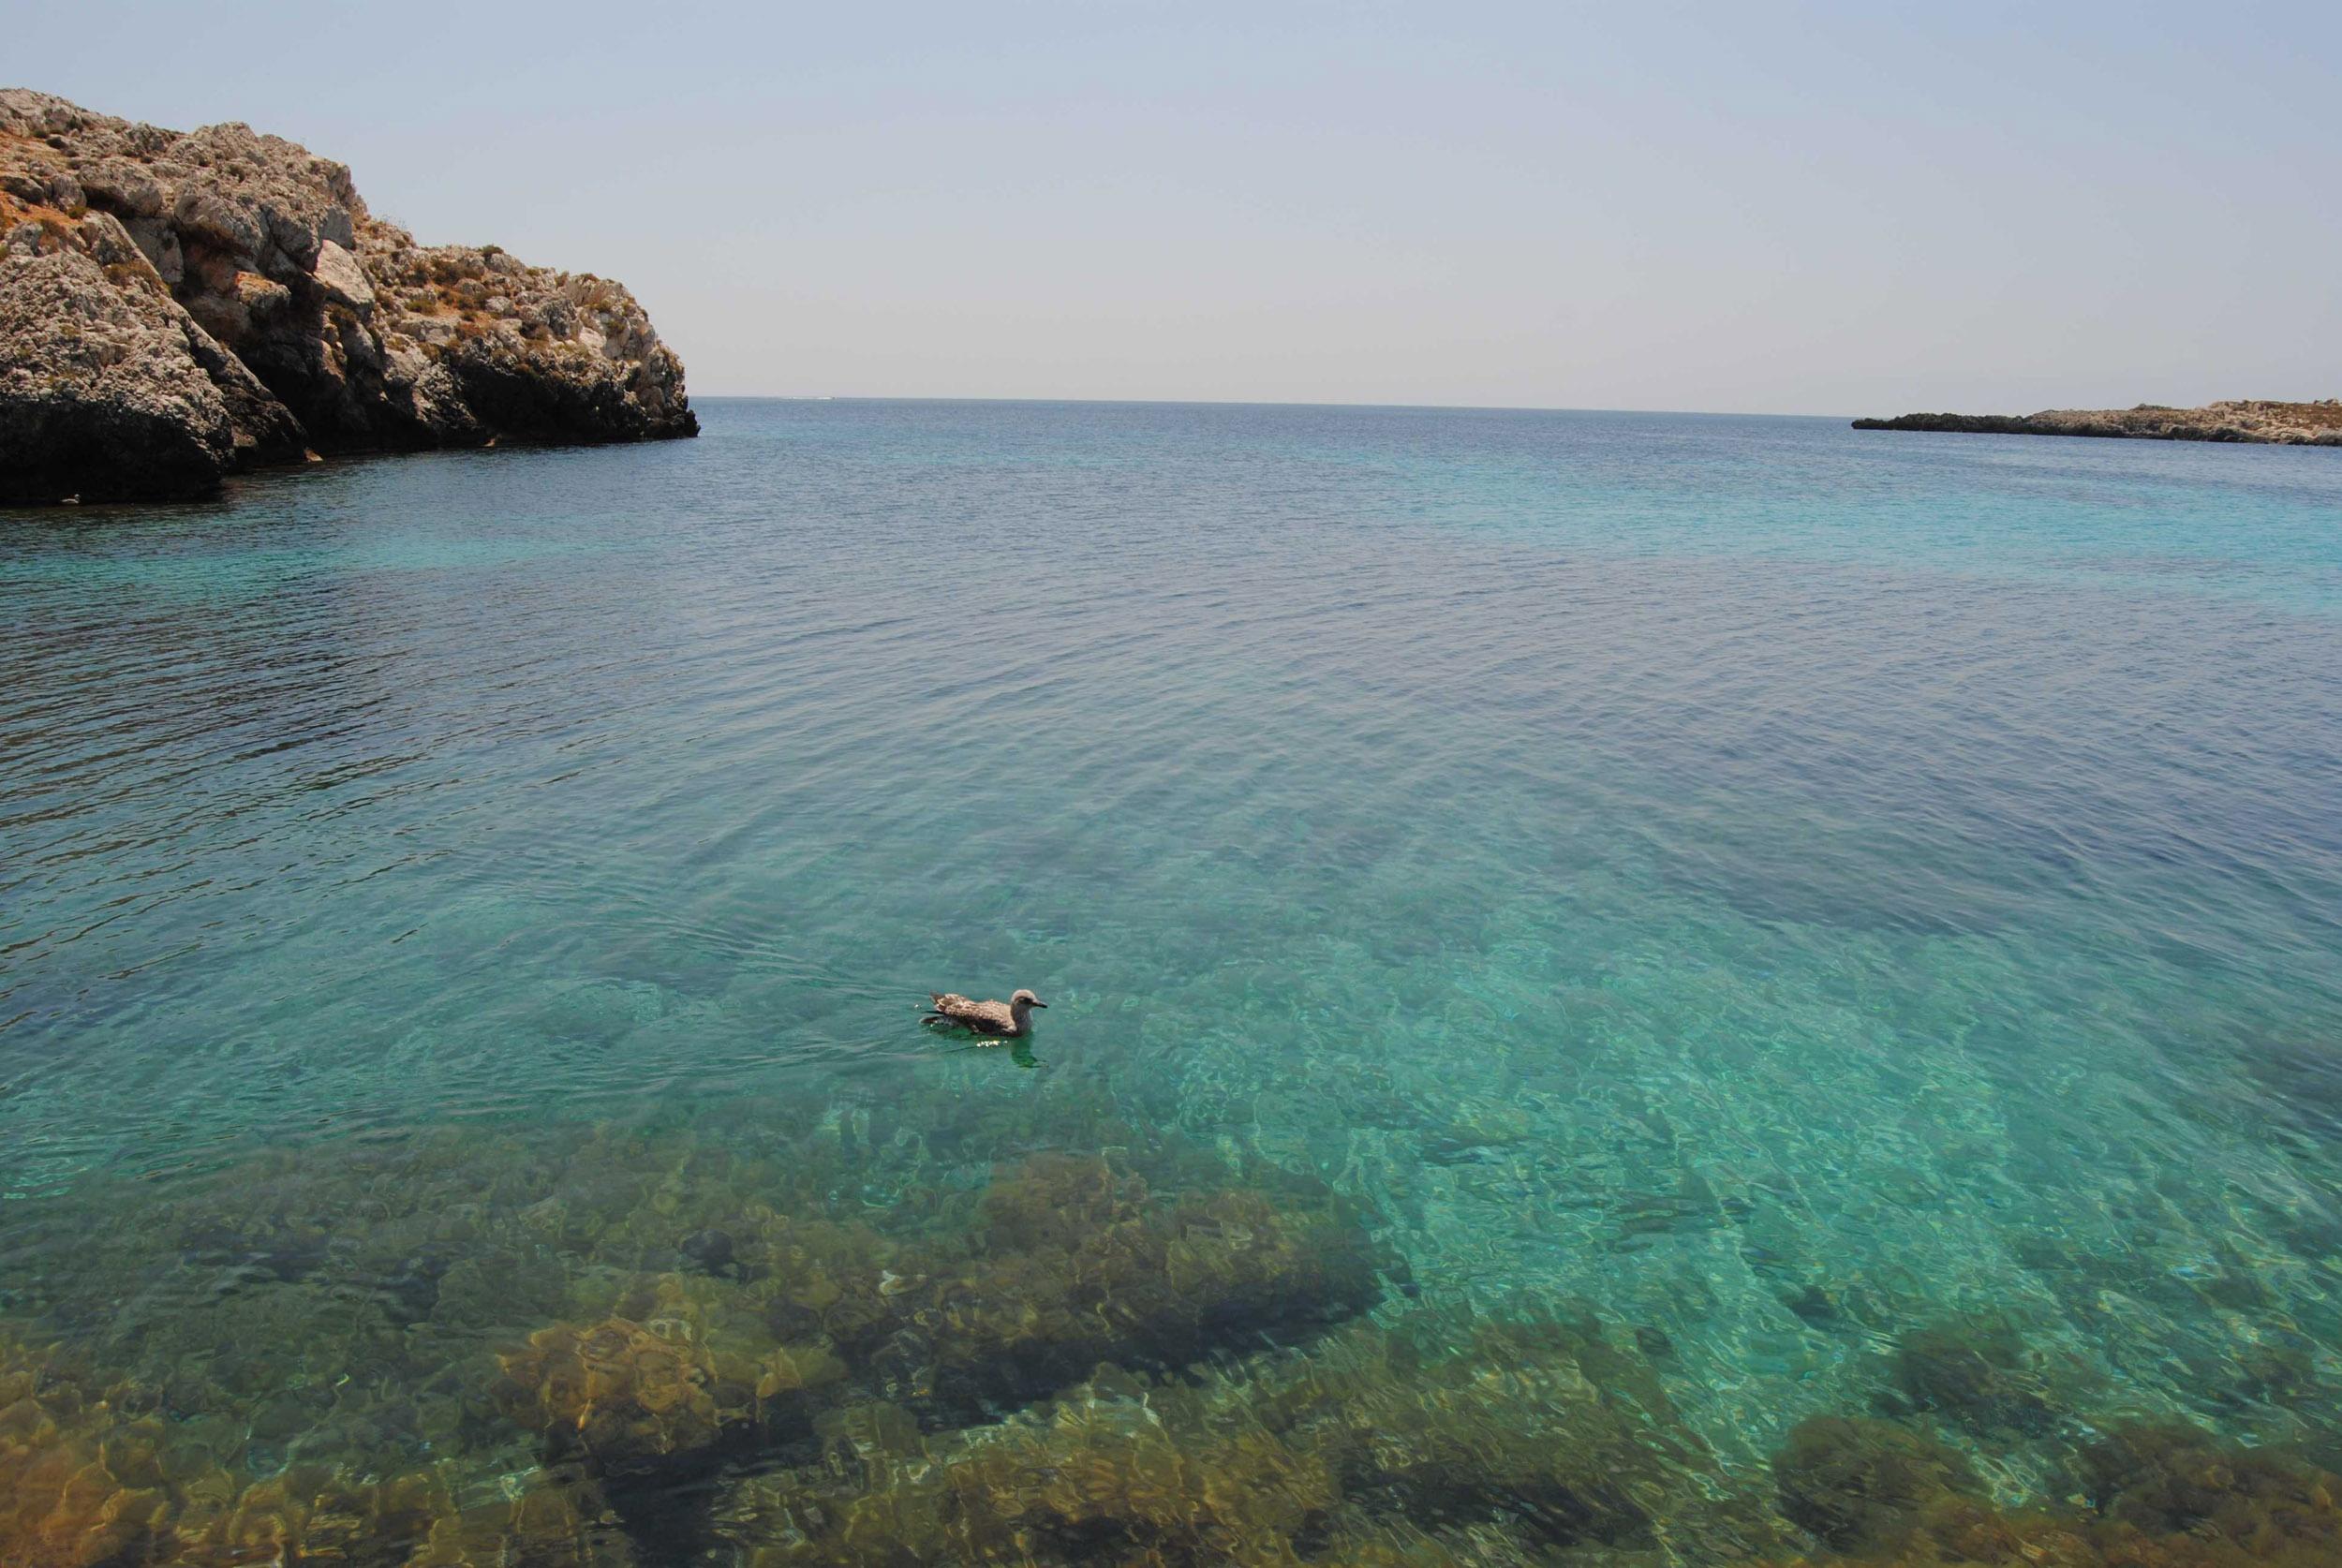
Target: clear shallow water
(1776, 888)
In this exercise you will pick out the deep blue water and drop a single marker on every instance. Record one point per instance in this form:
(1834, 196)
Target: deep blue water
(1773, 884)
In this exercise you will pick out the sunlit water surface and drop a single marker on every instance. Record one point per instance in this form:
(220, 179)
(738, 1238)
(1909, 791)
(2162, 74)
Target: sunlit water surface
(1773, 889)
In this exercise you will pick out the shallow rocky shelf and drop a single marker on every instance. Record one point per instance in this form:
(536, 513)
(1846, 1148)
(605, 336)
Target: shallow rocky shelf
(2297, 424)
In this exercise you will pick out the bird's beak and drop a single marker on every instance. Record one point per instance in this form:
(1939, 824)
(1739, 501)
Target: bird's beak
(1041, 1005)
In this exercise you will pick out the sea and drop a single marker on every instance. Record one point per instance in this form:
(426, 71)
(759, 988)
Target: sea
(1614, 936)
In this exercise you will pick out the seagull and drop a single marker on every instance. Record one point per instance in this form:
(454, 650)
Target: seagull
(1010, 1019)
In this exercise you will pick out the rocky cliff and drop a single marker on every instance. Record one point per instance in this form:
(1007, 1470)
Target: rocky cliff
(2299, 424)
(175, 307)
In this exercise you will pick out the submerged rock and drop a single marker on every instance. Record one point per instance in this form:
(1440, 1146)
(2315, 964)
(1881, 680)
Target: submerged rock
(619, 1396)
(1978, 1372)
(710, 1252)
(1859, 1483)
(175, 307)
(450, 1351)
(88, 1481)
(2174, 1480)
(1437, 1441)
(1067, 1262)
(2153, 1497)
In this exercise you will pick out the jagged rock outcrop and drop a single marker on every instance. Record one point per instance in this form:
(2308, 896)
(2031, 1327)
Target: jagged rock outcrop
(175, 307)
(2292, 424)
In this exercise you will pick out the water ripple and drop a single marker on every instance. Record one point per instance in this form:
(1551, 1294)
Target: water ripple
(1773, 883)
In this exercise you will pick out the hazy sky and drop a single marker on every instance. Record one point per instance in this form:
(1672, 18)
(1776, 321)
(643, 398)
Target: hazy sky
(1829, 209)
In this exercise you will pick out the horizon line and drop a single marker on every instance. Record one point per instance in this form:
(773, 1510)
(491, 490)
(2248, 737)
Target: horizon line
(1254, 403)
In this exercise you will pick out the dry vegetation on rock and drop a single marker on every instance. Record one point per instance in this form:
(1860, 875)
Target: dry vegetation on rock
(175, 307)
(2257, 420)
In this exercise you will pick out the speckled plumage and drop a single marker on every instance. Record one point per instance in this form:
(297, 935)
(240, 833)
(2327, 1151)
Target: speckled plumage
(1008, 1020)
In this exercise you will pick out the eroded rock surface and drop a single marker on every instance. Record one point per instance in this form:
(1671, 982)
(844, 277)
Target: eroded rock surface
(175, 307)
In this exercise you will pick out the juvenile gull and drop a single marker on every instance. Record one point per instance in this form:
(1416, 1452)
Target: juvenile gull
(1008, 1019)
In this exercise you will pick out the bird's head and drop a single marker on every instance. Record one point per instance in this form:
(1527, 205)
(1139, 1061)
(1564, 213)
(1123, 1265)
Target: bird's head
(1026, 999)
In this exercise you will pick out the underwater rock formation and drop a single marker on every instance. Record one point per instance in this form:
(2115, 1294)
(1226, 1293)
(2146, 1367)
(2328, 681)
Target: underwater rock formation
(619, 1395)
(1079, 1263)
(1976, 1371)
(816, 1342)
(302, 1331)
(1097, 1476)
(1506, 1442)
(175, 307)
(2154, 1497)
(1069, 1263)
(2174, 1480)
(78, 1486)
(88, 1479)
(1858, 1482)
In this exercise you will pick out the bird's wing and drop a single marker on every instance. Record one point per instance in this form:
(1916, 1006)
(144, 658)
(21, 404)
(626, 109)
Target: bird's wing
(975, 1015)
(986, 1015)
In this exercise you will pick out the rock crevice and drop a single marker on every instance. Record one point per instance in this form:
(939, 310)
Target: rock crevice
(175, 307)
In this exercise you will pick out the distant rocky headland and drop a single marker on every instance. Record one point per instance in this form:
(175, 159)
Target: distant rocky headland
(2294, 424)
(175, 307)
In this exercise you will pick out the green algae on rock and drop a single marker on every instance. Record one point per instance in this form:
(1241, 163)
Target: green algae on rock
(1070, 1262)
(2153, 1496)
(90, 1477)
(1859, 1483)
(1444, 1439)
(312, 1382)
(583, 1345)
(1976, 1370)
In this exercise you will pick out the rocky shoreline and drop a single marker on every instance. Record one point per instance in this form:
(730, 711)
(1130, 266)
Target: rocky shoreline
(176, 307)
(2294, 424)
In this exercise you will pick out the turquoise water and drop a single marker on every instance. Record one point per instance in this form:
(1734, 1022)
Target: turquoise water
(1773, 889)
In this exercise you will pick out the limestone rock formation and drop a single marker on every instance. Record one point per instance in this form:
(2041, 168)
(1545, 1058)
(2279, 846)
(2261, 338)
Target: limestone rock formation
(175, 307)
(2256, 419)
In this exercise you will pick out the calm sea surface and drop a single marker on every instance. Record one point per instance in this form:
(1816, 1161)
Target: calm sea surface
(1754, 901)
